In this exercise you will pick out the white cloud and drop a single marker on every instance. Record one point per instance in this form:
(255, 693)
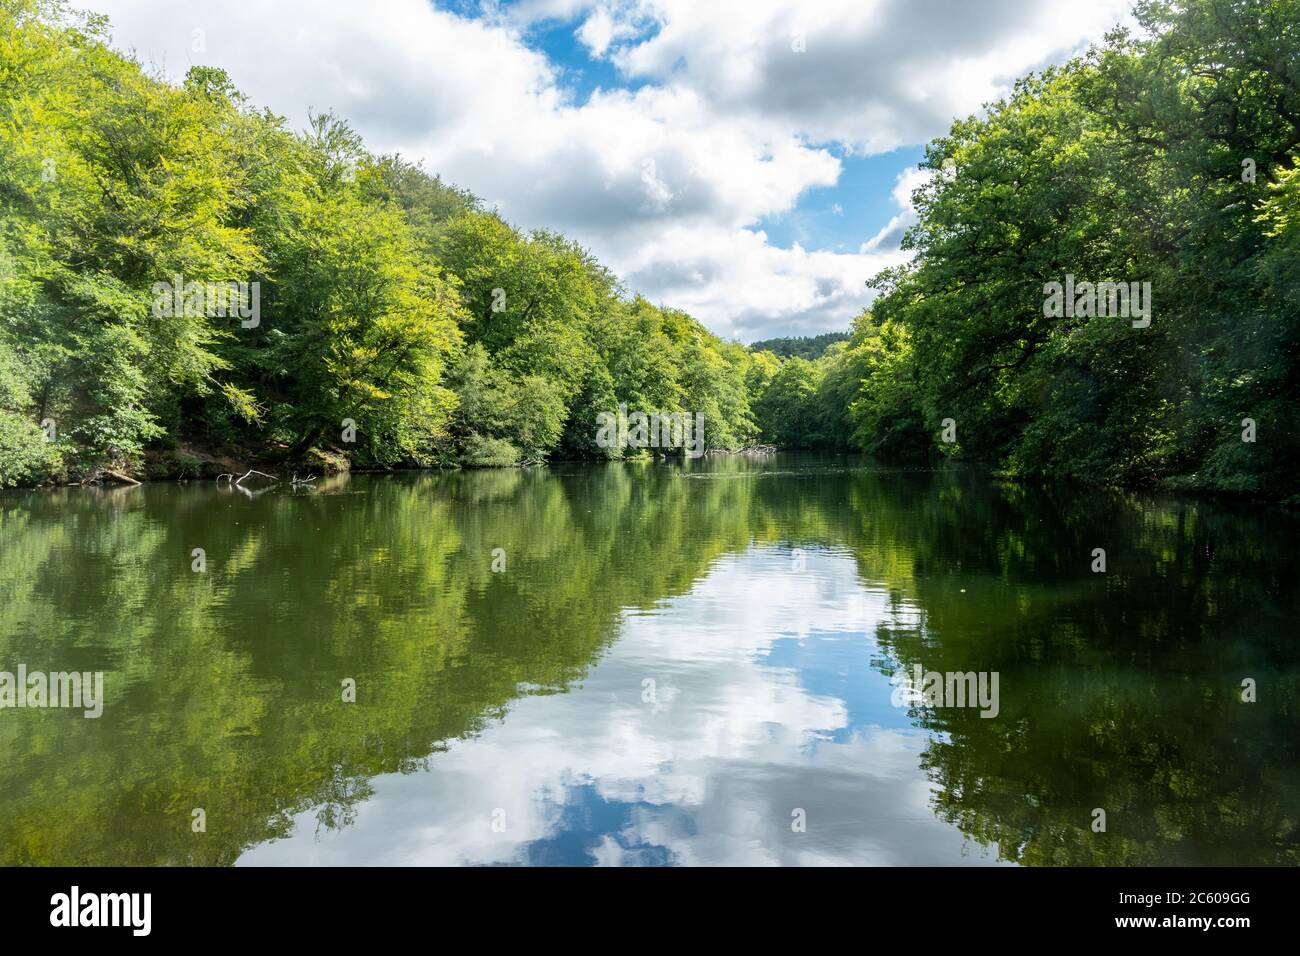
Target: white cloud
(665, 183)
(872, 74)
(712, 769)
(889, 238)
(751, 286)
(596, 32)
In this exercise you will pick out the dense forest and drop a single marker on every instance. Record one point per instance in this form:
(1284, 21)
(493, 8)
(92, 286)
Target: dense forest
(803, 346)
(1169, 159)
(395, 321)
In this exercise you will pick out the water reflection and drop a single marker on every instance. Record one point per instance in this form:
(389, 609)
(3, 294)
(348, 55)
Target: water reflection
(702, 729)
(768, 604)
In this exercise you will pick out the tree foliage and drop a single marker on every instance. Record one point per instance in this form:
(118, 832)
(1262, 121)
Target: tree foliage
(1168, 157)
(402, 323)
(397, 322)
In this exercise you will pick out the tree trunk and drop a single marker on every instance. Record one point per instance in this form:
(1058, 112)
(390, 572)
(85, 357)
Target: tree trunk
(307, 441)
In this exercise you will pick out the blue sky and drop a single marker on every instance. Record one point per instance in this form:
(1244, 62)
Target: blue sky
(840, 218)
(836, 218)
(749, 161)
(580, 73)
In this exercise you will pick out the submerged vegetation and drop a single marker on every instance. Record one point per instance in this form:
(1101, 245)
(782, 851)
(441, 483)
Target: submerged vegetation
(399, 322)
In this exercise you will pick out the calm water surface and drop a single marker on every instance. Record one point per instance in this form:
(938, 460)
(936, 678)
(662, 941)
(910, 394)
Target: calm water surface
(676, 666)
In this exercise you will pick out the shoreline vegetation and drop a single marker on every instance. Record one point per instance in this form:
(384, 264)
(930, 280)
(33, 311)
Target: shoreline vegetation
(190, 289)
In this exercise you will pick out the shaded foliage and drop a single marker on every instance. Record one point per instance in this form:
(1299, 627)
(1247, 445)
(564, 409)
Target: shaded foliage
(802, 346)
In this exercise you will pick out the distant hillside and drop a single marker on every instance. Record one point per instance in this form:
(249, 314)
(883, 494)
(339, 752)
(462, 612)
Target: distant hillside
(804, 346)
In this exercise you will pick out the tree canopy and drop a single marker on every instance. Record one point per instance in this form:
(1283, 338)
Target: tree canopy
(385, 317)
(1167, 158)
(397, 321)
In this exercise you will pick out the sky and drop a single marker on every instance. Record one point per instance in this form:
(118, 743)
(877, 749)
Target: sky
(748, 161)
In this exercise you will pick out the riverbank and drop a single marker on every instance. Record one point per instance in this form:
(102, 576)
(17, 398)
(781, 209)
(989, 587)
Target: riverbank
(189, 461)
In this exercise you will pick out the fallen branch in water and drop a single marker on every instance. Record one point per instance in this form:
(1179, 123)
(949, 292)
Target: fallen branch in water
(102, 473)
(259, 473)
(233, 480)
(749, 451)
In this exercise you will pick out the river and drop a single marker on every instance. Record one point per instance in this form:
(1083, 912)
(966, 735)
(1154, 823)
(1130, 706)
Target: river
(657, 663)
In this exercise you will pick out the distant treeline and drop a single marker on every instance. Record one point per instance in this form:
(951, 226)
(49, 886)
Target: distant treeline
(180, 273)
(802, 346)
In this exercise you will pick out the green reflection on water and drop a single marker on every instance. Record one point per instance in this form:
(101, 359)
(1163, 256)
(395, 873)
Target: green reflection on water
(1119, 691)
